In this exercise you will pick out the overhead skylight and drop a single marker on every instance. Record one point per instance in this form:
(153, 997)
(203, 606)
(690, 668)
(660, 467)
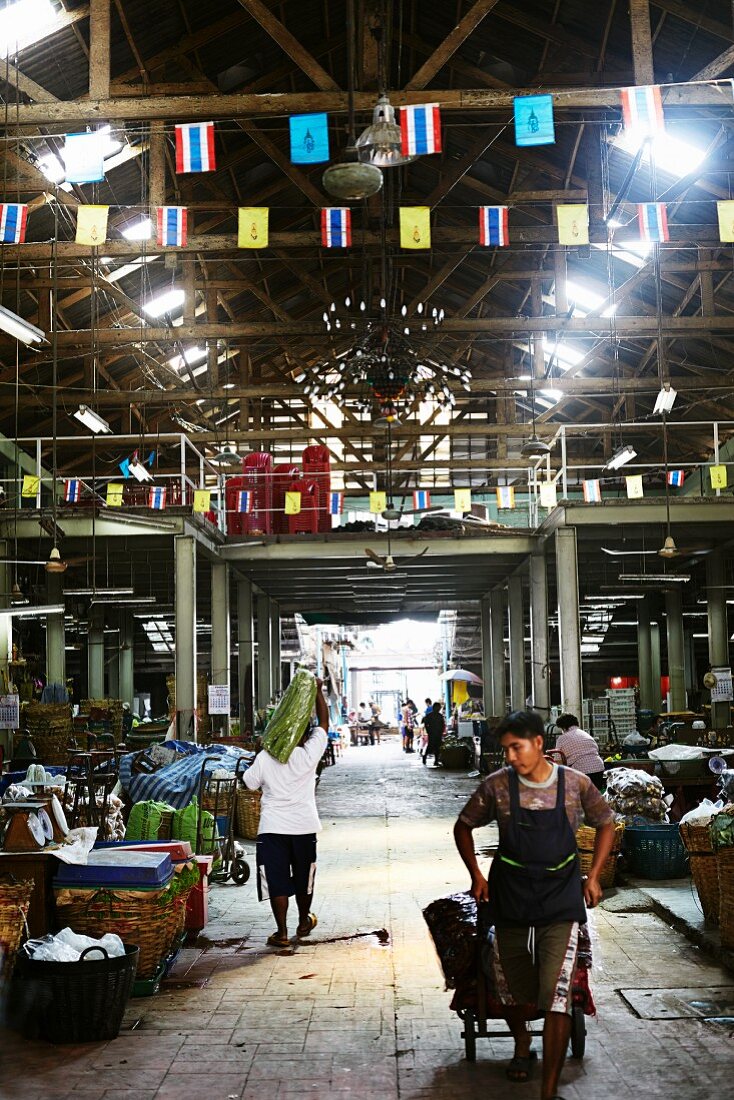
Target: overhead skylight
(171, 301)
(159, 636)
(634, 253)
(25, 22)
(138, 231)
(565, 355)
(190, 356)
(127, 269)
(671, 154)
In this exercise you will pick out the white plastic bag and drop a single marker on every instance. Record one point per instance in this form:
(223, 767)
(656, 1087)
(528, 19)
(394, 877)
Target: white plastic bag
(702, 814)
(67, 946)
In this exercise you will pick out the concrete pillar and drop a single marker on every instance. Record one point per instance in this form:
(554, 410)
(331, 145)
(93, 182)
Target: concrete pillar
(539, 634)
(185, 612)
(276, 676)
(113, 672)
(95, 654)
(497, 627)
(676, 654)
(655, 665)
(644, 656)
(717, 628)
(518, 689)
(126, 657)
(245, 661)
(486, 628)
(569, 627)
(55, 635)
(6, 641)
(220, 623)
(264, 661)
(689, 651)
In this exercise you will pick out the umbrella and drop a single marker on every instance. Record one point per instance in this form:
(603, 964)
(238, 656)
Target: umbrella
(461, 674)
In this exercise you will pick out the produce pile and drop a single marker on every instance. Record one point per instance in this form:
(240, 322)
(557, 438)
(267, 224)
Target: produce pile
(452, 922)
(290, 718)
(636, 797)
(722, 828)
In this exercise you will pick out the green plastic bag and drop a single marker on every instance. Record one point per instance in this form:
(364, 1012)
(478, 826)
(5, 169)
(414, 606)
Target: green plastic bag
(184, 828)
(145, 820)
(288, 724)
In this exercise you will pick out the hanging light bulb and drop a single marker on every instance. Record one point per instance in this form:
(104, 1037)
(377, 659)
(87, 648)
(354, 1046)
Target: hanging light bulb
(381, 143)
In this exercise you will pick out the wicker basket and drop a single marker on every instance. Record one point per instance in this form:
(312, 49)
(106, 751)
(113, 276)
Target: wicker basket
(15, 898)
(248, 813)
(725, 863)
(704, 868)
(585, 839)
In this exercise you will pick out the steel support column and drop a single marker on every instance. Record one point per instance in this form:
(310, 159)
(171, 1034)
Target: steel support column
(655, 666)
(95, 654)
(126, 657)
(487, 670)
(518, 689)
(569, 635)
(220, 632)
(717, 627)
(676, 651)
(264, 660)
(539, 634)
(185, 612)
(246, 658)
(497, 626)
(55, 635)
(644, 656)
(276, 676)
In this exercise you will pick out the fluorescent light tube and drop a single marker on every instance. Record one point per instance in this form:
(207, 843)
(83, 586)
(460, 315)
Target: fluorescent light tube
(33, 612)
(663, 578)
(621, 457)
(22, 330)
(664, 401)
(139, 472)
(122, 599)
(99, 591)
(90, 419)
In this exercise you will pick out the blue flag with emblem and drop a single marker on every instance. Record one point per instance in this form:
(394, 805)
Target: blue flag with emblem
(534, 120)
(309, 139)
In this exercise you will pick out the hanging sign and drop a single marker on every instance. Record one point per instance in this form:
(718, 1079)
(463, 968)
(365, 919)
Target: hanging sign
(723, 692)
(9, 712)
(218, 698)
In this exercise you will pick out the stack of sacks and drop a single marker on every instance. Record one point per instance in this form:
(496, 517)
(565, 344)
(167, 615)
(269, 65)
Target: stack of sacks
(636, 797)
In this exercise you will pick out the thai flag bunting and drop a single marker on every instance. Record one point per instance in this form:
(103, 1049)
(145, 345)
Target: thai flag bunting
(676, 478)
(592, 492)
(420, 129)
(642, 109)
(336, 227)
(244, 501)
(421, 500)
(493, 228)
(195, 147)
(13, 219)
(72, 490)
(157, 498)
(653, 221)
(336, 504)
(172, 225)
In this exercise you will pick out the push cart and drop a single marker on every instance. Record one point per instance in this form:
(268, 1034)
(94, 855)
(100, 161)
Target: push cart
(218, 797)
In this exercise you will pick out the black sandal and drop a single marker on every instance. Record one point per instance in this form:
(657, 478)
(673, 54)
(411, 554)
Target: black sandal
(519, 1068)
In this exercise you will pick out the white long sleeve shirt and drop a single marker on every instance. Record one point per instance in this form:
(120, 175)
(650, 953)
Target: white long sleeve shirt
(288, 790)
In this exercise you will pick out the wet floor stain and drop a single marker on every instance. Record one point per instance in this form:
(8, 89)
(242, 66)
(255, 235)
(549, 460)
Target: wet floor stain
(381, 934)
(205, 944)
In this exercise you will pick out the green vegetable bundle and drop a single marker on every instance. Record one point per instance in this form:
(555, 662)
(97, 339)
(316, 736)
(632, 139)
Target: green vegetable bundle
(288, 724)
(722, 829)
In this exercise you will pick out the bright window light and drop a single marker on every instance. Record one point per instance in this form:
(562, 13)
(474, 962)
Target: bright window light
(190, 356)
(672, 155)
(634, 253)
(52, 168)
(170, 301)
(138, 231)
(128, 269)
(111, 144)
(565, 355)
(588, 299)
(23, 23)
(553, 396)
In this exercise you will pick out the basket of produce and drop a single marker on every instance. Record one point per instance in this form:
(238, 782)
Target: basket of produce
(247, 812)
(15, 899)
(75, 1002)
(655, 851)
(704, 867)
(290, 719)
(722, 837)
(585, 838)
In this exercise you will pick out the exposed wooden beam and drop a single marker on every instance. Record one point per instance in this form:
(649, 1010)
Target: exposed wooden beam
(641, 41)
(99, 49)
(290, 45)
(450, 44)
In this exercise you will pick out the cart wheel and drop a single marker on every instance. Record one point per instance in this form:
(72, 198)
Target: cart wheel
(240, 872)
(578, 1032)
(470, 1037)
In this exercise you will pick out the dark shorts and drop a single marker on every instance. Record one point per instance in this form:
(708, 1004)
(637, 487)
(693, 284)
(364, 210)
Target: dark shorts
(286, 865)
(538, 969)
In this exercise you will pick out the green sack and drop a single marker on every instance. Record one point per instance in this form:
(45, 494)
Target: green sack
(145, 820)
(184, 828)
(288, 723)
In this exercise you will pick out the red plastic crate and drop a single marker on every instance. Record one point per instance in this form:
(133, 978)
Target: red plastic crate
(257, 475)
(307, 520)
(282, 477)
(316, 468)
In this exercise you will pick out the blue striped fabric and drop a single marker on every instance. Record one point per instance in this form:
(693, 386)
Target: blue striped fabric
(178, 783)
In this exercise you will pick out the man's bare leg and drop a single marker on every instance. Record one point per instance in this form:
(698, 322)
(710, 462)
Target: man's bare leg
(280, 912)
(517, 1023)
(556, 1033)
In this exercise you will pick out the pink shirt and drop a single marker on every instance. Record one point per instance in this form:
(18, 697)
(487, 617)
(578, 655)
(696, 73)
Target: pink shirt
(581, 751)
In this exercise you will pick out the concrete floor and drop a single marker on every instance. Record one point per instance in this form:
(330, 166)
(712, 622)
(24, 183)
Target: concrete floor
(351, 1015)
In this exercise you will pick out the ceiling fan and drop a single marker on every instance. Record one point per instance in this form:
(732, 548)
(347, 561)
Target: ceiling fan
(392, 513)
(669, 549)
(387, 562)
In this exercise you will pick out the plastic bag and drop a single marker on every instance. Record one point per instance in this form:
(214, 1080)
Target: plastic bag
(67, 946)
(702, 814)
(290, 718)
(145, 820)
(184, 828)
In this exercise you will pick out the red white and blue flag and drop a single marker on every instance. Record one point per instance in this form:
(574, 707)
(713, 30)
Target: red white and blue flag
(653, 222)
(676, 478)
(336, 227)
(642, 109)
(13, 219)
(172, 226)
(592, 492)
(72, 490)
(420, 129)
(336, 504)
(493, 226)
(421, 500)
(244, 501)
(195, 147)
(157, 498)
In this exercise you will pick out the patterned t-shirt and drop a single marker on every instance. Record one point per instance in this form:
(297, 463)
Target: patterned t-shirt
(491, 800)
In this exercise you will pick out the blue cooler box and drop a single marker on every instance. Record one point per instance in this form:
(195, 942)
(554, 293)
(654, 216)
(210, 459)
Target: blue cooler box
(118, 868)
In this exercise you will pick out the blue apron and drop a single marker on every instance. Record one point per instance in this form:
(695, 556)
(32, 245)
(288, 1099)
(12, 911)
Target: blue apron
(535, 877)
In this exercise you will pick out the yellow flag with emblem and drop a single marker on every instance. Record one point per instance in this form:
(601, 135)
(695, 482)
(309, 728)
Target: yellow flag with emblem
(718, 477)
(292, 503)
(462, 500)
(252, 227)
(415, 227)
(725, 211)
(202, 500)
(31, 486)
(573, 223)
(378, 503)
(548, 494)
(91, 224)
(634, 486)
(114, 494)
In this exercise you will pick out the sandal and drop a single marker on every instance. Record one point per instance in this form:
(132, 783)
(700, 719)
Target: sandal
(519, 1068)
(276, 940)
(306, 930)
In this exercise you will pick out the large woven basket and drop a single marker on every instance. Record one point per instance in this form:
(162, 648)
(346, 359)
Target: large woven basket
(585, 839)
(248, 812)
(15, 898)
(704, 868)
(725, 862)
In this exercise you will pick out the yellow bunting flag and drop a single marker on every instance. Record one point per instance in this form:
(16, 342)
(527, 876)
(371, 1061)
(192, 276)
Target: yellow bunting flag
(252, 227)
(505, 496)
(31, 486)
(573, 223)
(718, 477)
(202, 500)
(634, 486)
(292, 503)
(91, 224)
(415, 227)
(378, 503)
(114, 494)
(548, 494)
(462, 500)
(726, 220)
